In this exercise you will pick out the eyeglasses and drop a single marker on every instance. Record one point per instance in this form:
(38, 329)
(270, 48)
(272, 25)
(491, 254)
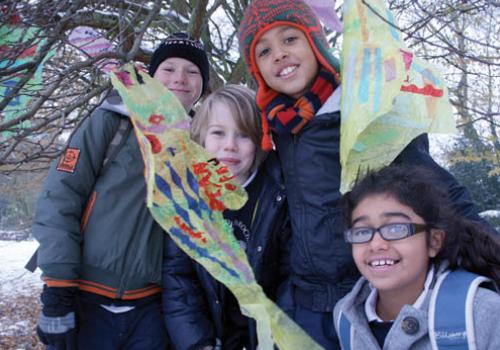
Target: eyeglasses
(389, 232)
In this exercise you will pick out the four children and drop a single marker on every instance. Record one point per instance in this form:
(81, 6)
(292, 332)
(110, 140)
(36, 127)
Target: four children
(402, 241)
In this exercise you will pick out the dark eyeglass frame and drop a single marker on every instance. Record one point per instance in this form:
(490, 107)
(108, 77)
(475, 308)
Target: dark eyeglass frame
(412, 229)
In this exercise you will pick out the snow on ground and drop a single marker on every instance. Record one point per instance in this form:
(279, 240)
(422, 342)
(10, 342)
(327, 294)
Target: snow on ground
(19, 296)
(490, 214)
(13, 276)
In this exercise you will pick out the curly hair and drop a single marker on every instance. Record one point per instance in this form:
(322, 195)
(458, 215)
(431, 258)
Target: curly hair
(467, 244)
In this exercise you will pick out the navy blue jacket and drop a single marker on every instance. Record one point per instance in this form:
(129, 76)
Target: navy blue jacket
(322, 267)
(193, 301)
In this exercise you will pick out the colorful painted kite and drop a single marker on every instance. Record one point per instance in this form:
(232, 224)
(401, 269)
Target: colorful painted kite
(389, 96)
(18, 46)
(188, 190)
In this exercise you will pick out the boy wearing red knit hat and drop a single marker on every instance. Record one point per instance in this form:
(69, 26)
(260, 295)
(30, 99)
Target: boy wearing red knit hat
(298, 94)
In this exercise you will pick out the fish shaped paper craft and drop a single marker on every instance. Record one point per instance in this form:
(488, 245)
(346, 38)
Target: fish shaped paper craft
(188, 190)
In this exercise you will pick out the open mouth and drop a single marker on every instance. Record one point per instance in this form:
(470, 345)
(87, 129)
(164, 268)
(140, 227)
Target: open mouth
(382, 263)
(288, 70)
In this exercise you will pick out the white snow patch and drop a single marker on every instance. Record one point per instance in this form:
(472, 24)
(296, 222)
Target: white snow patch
(19, 296)
(14, 278)
(490, 214)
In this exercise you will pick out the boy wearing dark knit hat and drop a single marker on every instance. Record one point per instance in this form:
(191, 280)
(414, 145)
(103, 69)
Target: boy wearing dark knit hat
(101, 251)
(181, 64)
(298, 94)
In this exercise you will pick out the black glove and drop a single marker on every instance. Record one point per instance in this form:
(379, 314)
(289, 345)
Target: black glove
(57, 321)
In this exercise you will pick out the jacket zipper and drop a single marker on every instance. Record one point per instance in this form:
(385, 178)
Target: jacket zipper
(302, 213)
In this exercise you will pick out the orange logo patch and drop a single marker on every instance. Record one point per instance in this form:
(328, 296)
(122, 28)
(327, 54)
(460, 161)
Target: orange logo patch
(68, 160)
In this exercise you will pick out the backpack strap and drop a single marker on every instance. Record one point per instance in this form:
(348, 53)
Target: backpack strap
(116, 143)
(119, 138)
(345, 331)
(451, 324)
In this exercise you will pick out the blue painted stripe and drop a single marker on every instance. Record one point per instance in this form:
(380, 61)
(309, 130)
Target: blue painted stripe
(194, 186)
(200, 251)
(192, 203)
(348, 80)
(164, 187)
(365, 71)
(378, 80)
(426, 73)
(392, 26)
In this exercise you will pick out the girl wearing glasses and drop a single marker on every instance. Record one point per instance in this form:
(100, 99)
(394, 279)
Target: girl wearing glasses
(406, 239)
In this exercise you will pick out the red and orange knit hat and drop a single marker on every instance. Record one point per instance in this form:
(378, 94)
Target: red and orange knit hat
(263, 15)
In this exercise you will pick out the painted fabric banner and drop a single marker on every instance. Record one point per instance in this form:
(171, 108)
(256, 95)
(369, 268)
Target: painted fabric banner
(14, 38)
(325, 10)
(188, 189)
(92, 43)
(389, 96)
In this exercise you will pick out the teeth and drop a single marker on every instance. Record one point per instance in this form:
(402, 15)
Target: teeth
(383, 262)
(288, 70)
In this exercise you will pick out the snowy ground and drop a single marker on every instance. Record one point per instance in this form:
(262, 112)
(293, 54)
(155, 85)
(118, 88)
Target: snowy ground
(19, 296)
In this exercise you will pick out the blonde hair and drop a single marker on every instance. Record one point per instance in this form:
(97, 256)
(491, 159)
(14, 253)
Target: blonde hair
(241, 102)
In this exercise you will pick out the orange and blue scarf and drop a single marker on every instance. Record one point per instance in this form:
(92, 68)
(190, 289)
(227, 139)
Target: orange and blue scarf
(285, 114)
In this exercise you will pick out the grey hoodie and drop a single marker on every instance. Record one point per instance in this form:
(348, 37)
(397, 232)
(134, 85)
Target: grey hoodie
(486, 315)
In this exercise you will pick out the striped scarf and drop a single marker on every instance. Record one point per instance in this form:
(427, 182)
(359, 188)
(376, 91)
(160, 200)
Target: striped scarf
(288, 115)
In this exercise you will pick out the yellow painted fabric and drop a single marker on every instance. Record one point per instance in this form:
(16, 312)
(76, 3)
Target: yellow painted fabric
(188, 189)
(389, 96)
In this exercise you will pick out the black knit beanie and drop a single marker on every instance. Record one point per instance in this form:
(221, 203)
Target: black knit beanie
(183, 46)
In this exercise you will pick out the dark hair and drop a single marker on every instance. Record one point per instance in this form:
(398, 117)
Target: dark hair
(467, 244)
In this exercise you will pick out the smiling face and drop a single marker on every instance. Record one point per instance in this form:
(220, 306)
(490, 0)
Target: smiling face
(396, 268)
(286, 61)
(183, 78)
(228, 143)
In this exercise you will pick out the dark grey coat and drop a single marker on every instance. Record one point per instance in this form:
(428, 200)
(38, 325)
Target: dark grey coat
(121, 247)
